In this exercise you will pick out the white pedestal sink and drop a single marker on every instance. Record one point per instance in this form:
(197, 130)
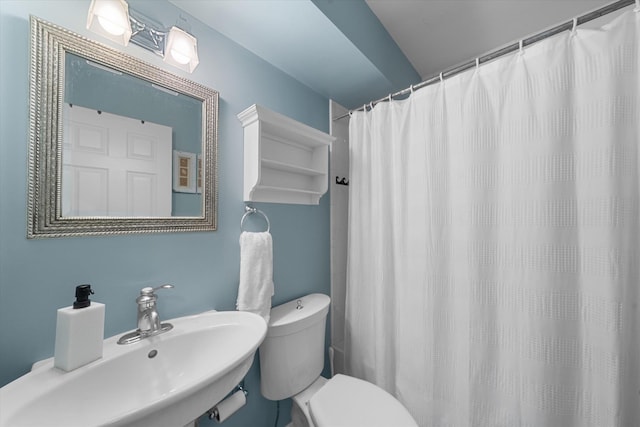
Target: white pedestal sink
(165, 380)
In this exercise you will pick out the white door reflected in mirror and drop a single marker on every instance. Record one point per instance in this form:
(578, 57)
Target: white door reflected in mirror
(115, 165)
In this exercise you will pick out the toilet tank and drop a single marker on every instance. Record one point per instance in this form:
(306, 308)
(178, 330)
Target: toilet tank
(292, 354)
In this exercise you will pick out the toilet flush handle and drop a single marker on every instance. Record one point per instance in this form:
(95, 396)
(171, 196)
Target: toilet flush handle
(299, 305)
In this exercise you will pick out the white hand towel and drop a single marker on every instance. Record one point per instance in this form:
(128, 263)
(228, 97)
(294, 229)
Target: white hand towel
(256, 273)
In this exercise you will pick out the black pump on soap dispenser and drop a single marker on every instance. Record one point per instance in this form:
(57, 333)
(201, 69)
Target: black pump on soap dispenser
(82, 296)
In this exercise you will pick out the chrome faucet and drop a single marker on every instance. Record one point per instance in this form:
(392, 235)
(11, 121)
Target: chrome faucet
(148, 318)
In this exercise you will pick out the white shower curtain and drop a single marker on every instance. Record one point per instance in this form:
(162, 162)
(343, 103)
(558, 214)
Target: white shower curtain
(494, 239)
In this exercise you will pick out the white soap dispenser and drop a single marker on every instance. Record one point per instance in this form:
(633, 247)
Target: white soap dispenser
(79, 332)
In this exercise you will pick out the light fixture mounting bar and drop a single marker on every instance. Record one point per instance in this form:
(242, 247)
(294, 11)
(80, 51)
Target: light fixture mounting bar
(147, 33)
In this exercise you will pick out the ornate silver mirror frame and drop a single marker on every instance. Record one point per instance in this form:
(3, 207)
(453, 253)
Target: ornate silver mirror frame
(49, 44)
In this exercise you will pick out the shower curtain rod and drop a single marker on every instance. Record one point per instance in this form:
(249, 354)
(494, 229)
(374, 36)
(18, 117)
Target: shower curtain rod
(503, 51)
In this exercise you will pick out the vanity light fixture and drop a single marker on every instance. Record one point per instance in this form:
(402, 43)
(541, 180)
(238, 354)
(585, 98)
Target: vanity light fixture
(181, 50)
(113, 20)
(110, 18)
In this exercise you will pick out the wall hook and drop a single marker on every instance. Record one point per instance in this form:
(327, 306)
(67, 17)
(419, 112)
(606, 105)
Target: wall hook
(342, 181)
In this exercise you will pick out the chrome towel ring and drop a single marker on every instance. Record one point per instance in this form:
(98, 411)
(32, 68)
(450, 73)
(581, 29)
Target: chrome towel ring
(248, 210)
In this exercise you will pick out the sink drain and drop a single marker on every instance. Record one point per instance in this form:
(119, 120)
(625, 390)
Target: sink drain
(152, 354)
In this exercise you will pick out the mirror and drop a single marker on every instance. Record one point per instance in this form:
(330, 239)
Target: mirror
(116, 145)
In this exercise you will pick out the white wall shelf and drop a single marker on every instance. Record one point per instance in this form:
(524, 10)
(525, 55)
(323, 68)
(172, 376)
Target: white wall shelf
(285, 161)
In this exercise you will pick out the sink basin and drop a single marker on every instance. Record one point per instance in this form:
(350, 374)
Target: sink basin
(164, 380)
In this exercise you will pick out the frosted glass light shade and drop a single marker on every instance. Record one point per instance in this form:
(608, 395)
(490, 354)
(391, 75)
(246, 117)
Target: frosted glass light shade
(181, 50)
(110, 18)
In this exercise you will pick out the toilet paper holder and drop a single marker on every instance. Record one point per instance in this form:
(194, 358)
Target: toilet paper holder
(214, 414)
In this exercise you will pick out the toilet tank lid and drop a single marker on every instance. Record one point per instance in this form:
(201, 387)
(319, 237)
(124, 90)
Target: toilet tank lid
(288, 318)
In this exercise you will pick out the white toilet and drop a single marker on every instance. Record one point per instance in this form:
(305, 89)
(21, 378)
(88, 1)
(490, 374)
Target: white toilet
(291, 360)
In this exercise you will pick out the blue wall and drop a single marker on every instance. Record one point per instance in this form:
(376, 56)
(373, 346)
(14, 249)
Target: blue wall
(39, 276)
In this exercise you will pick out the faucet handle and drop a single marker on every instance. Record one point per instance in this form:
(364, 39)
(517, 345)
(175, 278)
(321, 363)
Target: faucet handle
(147, 294)
(149, 290)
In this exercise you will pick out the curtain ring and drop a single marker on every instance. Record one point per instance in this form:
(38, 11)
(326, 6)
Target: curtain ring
(575, 26)
(441, 79)
(521, 43)
(477, 62)
(389, 97)
(371, 105)
(411, 87)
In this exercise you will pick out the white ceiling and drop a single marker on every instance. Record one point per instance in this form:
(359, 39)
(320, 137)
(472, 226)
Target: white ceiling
(439, 34)
(296, 37)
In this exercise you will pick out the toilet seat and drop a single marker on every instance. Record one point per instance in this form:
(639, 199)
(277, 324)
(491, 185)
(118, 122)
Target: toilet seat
(349, 402)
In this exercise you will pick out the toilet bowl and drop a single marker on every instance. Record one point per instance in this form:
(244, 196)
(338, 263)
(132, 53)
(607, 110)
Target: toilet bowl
(291, 360)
